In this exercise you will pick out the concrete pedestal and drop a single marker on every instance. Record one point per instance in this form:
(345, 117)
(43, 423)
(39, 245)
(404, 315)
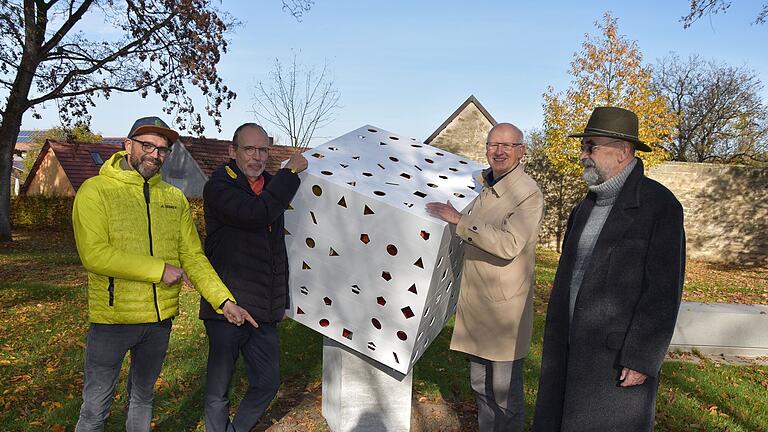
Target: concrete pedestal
(361, 395)
(722, 329)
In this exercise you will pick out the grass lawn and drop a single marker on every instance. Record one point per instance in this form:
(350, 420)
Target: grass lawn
(43, 327)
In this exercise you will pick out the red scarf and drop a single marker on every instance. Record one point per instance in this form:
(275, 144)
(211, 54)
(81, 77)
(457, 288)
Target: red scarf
(257, 185)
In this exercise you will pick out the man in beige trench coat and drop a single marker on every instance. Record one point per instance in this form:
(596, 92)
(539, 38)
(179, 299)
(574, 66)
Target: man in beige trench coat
(494, 318)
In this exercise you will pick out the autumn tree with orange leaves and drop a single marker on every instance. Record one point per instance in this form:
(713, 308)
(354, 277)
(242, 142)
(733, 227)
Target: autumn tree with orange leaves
(608, 71)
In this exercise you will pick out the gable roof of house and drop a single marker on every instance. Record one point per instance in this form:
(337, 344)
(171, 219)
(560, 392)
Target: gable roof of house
(211, 153)
(27, 138)
(470, 100)
(79, 160)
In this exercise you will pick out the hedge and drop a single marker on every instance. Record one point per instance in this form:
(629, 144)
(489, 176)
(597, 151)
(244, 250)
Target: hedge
(54, 213)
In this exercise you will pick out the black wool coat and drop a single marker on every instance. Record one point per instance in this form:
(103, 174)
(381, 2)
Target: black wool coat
(624, 316)
(245, 240)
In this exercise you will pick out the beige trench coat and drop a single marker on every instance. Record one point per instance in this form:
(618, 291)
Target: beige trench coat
(494, 316)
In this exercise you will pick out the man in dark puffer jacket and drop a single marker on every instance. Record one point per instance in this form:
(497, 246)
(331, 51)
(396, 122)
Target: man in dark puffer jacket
(246, 245)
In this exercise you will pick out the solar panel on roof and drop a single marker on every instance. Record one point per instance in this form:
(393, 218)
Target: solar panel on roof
(26, 136)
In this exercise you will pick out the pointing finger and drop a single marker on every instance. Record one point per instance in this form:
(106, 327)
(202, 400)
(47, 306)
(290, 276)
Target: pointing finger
(249, 318)
(186, 279)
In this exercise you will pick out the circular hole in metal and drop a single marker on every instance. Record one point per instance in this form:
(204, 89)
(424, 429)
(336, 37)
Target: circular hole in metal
(372, 130)
(416, 145)
(367, 174)
(326, 173)
(432, 185)
(439, 154)
(310, 242)
(443, 177)
(394, 159)
(401, 335)
(394, 138)
(376, 323)
(317, 190)
(391, 249)
(462, 162)
(324, 323)
(379, 193)
(429, 160)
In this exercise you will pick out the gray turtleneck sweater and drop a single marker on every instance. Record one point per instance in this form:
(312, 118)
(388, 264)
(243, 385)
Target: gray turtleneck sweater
(606, 194)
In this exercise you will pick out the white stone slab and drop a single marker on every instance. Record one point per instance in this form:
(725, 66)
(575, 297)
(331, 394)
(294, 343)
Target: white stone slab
(369, 268)
(359, 395)
(721, 328)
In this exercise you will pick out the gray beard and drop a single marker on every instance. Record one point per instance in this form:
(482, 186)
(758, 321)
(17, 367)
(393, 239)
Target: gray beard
(591, 175)
(145, 170)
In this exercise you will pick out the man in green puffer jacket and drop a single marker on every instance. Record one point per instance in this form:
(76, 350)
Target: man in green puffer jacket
(135, 236)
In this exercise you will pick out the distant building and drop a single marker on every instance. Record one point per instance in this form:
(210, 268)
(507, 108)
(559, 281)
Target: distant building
(464, 132)
(61, 167)
(29, 140)
(193, 160)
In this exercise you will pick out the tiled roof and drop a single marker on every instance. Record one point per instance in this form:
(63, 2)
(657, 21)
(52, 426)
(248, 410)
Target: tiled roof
(211, 153)
(113, 140)
(78, 159)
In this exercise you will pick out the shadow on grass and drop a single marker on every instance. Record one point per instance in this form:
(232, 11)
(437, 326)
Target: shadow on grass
(21, 293)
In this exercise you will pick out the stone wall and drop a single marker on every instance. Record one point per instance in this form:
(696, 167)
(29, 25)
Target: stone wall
(726, 209)
(465, 135)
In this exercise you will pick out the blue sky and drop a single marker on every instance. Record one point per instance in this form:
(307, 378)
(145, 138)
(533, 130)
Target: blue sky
(406, 65)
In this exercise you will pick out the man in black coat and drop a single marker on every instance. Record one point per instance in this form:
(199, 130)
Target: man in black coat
(617, 290)
(245, 243)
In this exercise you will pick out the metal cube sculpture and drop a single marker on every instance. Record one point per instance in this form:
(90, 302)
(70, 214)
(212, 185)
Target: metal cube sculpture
(369, 267)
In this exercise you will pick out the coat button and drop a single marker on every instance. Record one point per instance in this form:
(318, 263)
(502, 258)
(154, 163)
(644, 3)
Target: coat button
(474, 228)
(469, 238)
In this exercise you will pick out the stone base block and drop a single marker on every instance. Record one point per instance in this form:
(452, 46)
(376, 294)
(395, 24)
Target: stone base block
(361, 395)
(721, 328)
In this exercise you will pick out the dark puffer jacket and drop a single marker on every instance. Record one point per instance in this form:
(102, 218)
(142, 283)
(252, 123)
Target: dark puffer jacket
(245, 240)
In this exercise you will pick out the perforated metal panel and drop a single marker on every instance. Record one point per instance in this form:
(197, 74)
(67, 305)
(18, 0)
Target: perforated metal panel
(369, 267)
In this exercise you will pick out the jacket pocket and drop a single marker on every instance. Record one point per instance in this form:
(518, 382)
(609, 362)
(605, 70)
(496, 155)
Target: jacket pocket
(111, 291)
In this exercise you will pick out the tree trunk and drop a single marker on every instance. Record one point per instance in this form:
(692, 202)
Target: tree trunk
(17, 104)
(9, 131)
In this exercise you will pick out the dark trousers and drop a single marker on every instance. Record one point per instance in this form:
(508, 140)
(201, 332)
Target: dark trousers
(105, 349)
(260, 348)
(498, 388)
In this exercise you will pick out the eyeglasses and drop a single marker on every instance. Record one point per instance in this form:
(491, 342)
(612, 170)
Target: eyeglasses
(149, 148)
(589, 147)
(251, 150)
(504, 146)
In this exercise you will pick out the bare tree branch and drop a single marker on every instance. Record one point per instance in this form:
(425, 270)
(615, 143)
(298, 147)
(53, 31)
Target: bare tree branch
(297, 100)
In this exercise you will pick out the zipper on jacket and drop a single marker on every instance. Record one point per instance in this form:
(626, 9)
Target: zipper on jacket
(111, 290)
(151, 252)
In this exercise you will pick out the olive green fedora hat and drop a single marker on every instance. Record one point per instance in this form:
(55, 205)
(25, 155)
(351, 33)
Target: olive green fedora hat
(613, 122)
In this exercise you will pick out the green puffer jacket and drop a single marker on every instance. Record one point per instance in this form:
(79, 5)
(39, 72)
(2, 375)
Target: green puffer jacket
(124, 241)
